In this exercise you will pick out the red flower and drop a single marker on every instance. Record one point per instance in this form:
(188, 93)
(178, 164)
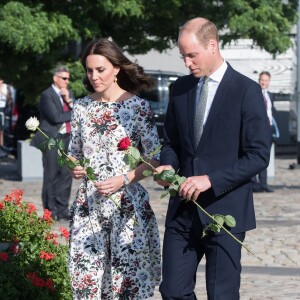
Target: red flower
(47, 216)
(31, 208)
(52, 237)
(15, 195)
(47, 255)
(124, 144)
(8, 198)
(49, 284)
(35, 280)
(64, 232)
(3, 256)
(2, 206)
(39, 282)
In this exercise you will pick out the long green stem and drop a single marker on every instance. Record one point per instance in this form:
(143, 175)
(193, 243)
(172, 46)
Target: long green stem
(62, 152)
(42, 132)
(243, 245)
(144, 161)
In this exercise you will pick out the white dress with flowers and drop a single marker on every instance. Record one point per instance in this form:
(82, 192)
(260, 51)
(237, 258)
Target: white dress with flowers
(114, 254)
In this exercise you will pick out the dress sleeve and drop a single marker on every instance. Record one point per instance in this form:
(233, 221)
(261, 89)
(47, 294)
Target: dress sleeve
(148, 131)
(75, 145)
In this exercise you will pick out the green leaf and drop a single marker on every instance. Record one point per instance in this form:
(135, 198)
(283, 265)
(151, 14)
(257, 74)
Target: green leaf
(92, 177)
(89, 170)
(60, 145)
(84, 162)
(204, 232)
(61, 160)
(180, 179)
(173, 192)
(155, 151)
(166, 175)
(43, 146)
(51, 143)
(130, 161)
(215, 227)
(175, 187)
(219, 219)
(230, 221)
(90, 173)
(70, 164)
(135, 153)
(147, 173)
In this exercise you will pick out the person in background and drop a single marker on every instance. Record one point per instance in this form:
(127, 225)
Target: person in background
(55, 107)
(7, 101)
(261, 185)
(218, 136)
(114, 239)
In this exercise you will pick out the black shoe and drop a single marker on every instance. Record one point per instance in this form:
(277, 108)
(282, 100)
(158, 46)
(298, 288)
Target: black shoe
(268, 190)
(54, 217)
(258, 190)
(62, 217)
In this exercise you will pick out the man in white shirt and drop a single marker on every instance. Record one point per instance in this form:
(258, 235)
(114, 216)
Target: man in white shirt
(216, 135)
(261, 185)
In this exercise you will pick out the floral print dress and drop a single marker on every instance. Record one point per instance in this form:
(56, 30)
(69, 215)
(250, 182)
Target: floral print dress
(114, 243)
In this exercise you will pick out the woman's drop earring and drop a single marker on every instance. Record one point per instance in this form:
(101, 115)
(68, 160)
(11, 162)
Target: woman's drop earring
(115, 79)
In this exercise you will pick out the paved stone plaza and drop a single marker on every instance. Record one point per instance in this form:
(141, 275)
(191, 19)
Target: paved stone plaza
(275, 271)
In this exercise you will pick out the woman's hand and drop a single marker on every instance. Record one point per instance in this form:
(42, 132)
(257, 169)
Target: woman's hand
(110, 185)
(78, 172)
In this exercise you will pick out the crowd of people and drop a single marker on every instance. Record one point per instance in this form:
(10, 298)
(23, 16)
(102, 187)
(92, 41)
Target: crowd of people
(217, 135)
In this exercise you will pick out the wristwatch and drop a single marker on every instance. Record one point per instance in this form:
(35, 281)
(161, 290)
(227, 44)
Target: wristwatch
(126, 179)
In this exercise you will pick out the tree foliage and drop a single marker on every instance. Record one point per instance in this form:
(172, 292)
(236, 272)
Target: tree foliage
(35, 35)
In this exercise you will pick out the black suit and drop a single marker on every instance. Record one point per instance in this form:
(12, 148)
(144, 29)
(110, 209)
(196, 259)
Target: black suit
(57, 180)
(234, 146)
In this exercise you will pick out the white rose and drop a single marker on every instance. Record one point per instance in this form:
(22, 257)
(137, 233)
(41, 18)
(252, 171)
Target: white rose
(32, 123)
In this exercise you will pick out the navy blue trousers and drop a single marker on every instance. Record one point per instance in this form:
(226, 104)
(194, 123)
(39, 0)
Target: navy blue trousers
(182, 253)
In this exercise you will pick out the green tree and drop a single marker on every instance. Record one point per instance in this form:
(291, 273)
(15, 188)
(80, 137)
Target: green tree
(35, 35)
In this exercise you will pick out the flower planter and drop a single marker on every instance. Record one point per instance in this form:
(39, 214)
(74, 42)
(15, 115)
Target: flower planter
(4, 246)
(29, 164)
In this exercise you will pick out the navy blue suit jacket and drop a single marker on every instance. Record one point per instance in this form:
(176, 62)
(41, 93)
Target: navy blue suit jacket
(234, 147)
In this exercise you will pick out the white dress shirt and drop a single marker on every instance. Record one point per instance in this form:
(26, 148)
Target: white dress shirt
(268, 105)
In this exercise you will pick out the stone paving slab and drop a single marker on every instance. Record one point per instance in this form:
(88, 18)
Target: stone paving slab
(276, 241)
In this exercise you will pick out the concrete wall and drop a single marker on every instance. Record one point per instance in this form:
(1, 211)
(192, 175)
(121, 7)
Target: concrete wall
(29, 164)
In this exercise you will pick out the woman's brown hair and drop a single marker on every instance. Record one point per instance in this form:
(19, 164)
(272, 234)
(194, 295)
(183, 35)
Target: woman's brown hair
(131, 76)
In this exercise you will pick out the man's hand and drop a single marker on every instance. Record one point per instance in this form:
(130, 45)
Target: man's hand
(65, 95)
(159, 170)
(193, 186)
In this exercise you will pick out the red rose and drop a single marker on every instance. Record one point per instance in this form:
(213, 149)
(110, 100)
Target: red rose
(124, 143)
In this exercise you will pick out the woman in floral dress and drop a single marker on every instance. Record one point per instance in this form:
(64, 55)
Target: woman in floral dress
(114, 244)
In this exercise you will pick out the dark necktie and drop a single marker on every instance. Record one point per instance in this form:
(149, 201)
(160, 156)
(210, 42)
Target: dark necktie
(200, 111)
(66, 108)
(265, 99)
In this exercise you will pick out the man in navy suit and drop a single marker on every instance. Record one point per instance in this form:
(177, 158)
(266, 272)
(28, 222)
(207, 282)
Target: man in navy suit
(261, 185)
(55, 114)
(233, 147)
